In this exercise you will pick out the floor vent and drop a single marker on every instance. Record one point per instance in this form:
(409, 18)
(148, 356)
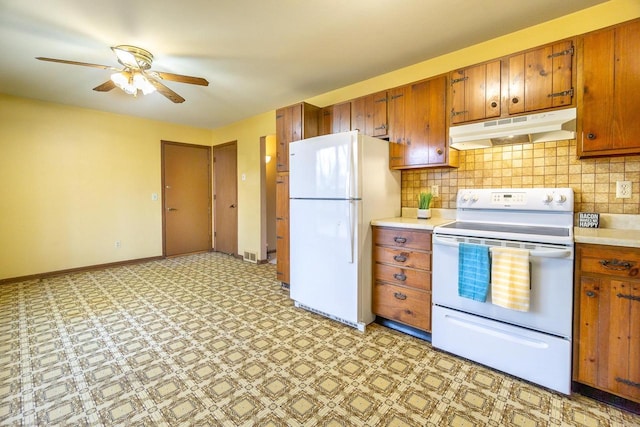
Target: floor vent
(250, 256)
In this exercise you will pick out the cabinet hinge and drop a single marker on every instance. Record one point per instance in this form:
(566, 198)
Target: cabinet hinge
(454, 81)
(562, 53)
(628, 296)
(563, 93)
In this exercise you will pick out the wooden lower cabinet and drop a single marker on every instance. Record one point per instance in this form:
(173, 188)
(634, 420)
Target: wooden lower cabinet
(607, 324)
(402, 276)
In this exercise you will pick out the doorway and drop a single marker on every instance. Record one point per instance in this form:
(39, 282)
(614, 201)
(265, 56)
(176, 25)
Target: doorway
(225, 198)
(186, 193)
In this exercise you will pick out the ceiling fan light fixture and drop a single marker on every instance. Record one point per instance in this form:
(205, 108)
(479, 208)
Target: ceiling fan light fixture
(131, 83)
(143, 84)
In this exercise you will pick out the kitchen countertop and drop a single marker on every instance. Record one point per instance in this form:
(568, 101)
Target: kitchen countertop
(409, 220)
(615, 230)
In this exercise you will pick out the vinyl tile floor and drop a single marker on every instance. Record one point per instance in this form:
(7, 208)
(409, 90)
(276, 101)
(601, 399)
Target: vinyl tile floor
(208, 339)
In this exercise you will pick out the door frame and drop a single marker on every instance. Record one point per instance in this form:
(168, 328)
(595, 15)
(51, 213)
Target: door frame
(163, 198)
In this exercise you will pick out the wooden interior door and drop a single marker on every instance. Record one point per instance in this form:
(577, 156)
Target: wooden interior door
(186, 193)
(225, 194)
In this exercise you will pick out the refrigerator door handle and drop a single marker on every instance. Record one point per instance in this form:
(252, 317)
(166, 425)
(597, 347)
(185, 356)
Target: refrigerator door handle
(350, 173)
(352, 206)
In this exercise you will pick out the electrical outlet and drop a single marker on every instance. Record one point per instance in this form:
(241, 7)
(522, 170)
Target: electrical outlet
(118, 244)
(435, 190)
(623, 189)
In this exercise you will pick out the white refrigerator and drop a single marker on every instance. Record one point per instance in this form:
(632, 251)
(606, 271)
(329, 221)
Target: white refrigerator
(338, 183)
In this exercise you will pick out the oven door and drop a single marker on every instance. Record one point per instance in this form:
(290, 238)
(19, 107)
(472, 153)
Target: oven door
(551, 297)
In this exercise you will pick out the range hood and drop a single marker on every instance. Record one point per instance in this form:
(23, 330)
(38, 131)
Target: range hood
(541, 127)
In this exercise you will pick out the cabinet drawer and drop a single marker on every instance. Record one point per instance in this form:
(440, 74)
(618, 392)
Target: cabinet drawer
(402, 258)
(618, 262)
(419, 279)
(402, 238)
(409, 306)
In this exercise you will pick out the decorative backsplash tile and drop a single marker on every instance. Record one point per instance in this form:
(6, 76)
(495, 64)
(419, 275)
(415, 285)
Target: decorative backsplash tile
(549, 164)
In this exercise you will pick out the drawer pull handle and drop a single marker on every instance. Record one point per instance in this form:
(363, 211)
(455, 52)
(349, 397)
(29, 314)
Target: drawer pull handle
(400, 276)
(628, 296)
(400, 239)
(400, 296)
(400, 258)
(615, 264)
(591, 294)
(627, 382)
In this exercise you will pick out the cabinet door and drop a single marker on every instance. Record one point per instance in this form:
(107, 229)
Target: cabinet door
(609, 336)
(475, 92)
(396, 105)
(540, 79)
(429, 131)
(369, 114)
(282, 227)
(288, 129)
(326, 120)
(377, 114)
(341, 118)
(608, 81)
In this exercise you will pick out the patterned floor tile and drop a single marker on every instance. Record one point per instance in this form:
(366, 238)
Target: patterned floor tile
(211, 340)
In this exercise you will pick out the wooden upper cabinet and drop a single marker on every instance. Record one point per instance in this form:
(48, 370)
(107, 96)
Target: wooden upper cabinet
(541, 78)
(396, 106)
(417, 124)
(369, 114)
(608, 86)
(294, 123)
(335, 118)
(475, 92)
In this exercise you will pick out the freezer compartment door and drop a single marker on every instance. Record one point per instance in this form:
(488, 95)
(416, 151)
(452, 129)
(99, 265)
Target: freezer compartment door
(540, 358)
(324, 167)
(324, 257)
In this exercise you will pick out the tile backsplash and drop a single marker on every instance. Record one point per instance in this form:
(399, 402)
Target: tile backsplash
(549, 164)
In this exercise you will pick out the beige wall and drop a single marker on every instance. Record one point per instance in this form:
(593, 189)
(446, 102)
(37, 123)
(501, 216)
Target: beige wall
(247, 133)
(73, 181)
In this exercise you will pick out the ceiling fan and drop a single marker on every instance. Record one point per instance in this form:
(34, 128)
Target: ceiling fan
(136, 74)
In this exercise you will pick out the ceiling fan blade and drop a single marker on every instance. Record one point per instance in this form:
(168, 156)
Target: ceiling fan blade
(105, 87)
(180, 78)
(165, 91)
(84, 64)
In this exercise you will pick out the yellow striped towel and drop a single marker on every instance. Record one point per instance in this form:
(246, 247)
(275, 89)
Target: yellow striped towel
(510, 279)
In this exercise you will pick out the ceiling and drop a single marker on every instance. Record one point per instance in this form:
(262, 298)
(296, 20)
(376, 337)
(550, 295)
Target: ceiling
(257, 55)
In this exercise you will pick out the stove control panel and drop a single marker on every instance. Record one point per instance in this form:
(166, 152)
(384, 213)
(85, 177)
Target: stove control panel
(546, 199)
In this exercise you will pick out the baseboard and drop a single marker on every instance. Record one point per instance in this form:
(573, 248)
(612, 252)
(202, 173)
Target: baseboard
(405, 329)
(605, 397)
(77, 270)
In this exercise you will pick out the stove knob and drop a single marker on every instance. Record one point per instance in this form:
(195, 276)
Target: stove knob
(560, 198)
(547, 198)
(465, 198)
(474, 197)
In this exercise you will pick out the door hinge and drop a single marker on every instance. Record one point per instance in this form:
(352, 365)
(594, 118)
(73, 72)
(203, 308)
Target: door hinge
(562, 53)
(461, 79)
(563, 93)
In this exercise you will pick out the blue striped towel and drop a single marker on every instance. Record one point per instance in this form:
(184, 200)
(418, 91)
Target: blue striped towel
(473, 271)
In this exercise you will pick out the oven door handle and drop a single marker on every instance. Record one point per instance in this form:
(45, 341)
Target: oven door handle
(540, 253)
